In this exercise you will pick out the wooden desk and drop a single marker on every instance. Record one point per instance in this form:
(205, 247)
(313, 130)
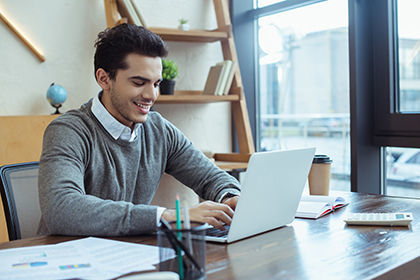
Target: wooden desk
(313, 249)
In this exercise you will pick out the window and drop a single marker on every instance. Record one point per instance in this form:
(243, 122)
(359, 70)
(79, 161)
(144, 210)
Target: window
(397, 92)
(303, 79)
(409, 55)
(263, 3)
(403, 171)
(396, 43)
(304, 83)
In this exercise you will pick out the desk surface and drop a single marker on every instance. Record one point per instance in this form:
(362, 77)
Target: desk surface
(313, 249)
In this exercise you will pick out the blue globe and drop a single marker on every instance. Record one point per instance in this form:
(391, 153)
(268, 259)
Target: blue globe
(56, 95)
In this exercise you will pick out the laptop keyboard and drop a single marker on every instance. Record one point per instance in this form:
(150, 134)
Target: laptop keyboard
(216, 232)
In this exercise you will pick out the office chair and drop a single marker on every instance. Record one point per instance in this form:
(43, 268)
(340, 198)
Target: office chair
(19, 193)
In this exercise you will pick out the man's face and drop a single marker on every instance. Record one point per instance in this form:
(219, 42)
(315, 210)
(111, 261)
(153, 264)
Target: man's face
(132, 93)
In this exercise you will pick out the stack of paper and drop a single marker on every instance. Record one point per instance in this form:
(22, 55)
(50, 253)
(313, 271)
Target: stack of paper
(220, 78)
(87, 258)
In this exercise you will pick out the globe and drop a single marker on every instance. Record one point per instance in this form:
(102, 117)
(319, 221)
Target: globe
(56, 95)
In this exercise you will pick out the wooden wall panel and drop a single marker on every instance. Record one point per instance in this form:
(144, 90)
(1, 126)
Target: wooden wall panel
(20, 141)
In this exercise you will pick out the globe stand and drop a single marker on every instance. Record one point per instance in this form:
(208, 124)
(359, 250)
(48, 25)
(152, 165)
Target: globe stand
(56, 109)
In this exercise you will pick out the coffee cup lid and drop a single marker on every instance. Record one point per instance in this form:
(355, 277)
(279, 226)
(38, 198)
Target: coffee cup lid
(321, 159)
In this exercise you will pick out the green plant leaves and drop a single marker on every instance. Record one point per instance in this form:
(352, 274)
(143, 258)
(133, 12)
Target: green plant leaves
(169, 69)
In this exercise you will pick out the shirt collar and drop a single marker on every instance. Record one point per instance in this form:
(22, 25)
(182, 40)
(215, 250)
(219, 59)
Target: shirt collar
(114, 127)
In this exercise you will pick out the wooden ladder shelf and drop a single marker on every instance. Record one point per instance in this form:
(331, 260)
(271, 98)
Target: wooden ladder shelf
(236, 94)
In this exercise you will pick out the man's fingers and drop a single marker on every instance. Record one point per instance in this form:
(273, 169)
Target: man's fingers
(222, 216)
(213, 222)
(213, 206)
(215, 214)
(232, 202)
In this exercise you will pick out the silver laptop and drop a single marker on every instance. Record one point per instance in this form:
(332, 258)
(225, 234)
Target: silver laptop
(271, 192)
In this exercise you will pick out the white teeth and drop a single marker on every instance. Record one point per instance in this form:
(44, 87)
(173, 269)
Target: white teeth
(142, 106)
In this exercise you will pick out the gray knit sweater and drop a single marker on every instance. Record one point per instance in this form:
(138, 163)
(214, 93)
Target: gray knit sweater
(92, 184)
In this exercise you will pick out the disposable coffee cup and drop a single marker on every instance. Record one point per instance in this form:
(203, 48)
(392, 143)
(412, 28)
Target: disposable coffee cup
(319, 175)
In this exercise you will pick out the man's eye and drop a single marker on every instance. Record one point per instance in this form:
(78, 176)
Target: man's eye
(137, 84)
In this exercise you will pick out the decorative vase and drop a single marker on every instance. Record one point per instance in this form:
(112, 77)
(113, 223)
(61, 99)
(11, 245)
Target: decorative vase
(167, 87)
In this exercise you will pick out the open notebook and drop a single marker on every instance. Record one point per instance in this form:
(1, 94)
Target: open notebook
(271, 191)
(315, 206)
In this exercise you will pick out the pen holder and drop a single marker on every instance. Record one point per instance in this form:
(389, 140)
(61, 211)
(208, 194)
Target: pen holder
(183, 251)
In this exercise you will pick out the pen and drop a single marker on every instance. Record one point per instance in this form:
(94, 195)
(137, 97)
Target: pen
(178, 216)
(178, 226)
(187, 227)
(187, 223)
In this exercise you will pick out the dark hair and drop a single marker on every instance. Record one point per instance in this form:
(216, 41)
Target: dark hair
(114, 44)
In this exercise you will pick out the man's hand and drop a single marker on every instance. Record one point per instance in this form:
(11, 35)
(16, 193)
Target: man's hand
(213, 213)
(231, 201)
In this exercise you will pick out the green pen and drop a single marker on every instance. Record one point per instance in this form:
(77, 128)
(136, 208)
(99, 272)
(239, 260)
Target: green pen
(178, 226)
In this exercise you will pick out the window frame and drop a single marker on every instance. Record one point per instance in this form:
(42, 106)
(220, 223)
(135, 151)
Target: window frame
(373, 62)
(392, 128)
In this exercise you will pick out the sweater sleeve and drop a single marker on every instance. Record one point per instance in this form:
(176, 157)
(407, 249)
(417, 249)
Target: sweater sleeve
(65, 206)
(192, 168)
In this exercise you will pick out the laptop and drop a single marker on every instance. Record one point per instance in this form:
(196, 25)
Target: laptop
(271, 192)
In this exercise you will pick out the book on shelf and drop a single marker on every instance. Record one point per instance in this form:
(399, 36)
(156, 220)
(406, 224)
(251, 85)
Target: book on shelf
(127, 10)
(229, 79)
(219, 78)
(212, 79)
(226, 67)
(315, 206)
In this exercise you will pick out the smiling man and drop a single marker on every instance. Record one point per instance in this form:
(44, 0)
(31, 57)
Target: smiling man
(101, 164)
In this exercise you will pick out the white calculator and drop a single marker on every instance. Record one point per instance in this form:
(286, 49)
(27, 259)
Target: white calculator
(379, 219)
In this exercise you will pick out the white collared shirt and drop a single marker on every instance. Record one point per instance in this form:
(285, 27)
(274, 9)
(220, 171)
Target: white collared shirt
(118, 131)
(114, 127)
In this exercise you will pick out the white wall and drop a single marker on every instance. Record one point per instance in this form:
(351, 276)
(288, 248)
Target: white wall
(65, 31)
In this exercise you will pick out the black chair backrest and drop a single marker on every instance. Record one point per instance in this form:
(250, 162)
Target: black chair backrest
(19, 193)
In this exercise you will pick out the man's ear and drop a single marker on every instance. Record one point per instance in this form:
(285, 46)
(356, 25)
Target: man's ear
(103, 79)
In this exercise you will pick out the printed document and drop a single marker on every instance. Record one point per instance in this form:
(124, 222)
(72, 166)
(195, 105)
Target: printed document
(86, 258)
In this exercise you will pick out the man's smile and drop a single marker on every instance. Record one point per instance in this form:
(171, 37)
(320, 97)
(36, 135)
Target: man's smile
(144, 108)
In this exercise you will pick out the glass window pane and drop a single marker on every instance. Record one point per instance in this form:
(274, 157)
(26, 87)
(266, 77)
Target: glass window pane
(304, 83)
(409, 55)
(263, 3)
(403, 172)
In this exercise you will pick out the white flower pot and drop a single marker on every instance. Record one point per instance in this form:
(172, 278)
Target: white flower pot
(184, 26)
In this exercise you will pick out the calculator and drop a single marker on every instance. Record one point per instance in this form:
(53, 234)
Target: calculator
(379, 219)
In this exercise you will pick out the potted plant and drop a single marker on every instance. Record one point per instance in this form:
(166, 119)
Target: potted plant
(169, 72)
(183, 24)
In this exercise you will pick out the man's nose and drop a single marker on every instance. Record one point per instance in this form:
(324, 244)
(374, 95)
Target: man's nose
(150, 92)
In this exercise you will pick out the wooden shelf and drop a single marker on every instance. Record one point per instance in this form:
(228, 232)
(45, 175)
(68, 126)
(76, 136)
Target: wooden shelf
(196, 96)
(173, 99)
(200, 36)
(229, 166)
(230, 161)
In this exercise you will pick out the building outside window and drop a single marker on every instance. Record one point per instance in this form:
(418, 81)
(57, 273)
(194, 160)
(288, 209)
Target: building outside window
(403, 164)
(303, 83)
(303, 86)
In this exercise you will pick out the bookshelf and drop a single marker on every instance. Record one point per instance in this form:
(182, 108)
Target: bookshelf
(195, 96)
(199, 36)
(236, 96)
